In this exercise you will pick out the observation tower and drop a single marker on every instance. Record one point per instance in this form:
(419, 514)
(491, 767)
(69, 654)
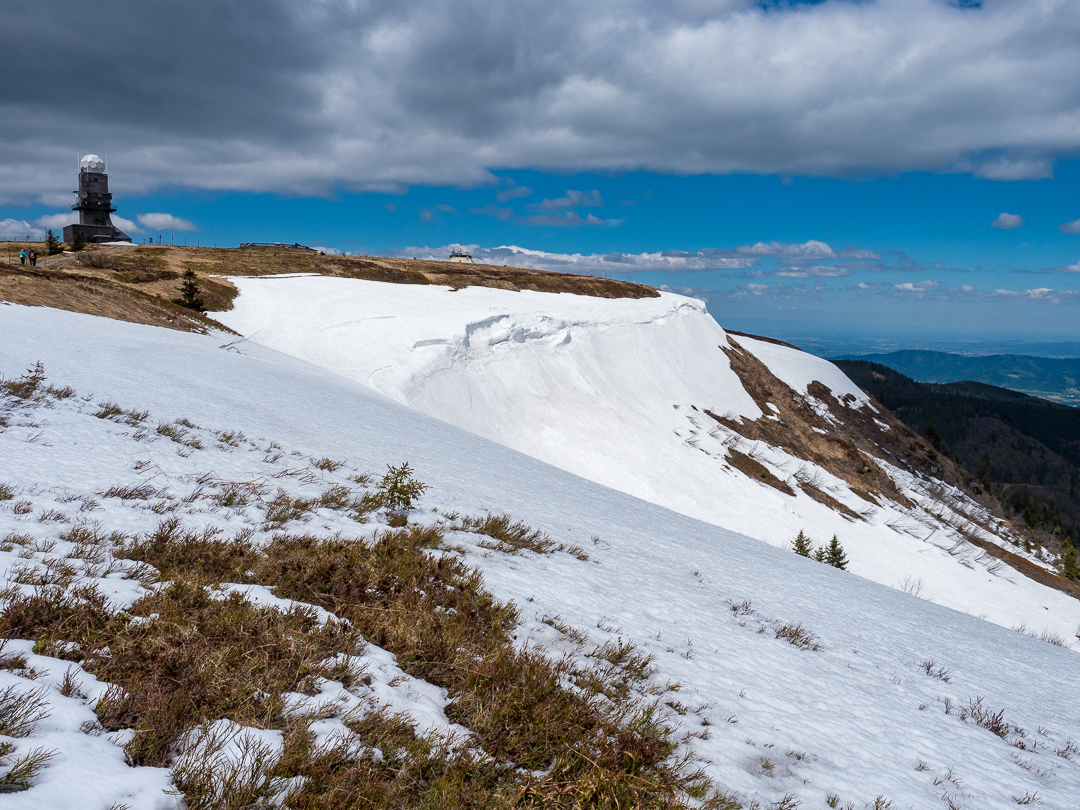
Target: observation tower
(94, 205)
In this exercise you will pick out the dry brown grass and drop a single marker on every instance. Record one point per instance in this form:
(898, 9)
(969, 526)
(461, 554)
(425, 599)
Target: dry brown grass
(756, 470)
(137, 284)
(432, 612)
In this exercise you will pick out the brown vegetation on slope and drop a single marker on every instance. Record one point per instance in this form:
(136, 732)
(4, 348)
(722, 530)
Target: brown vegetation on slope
(137, 284)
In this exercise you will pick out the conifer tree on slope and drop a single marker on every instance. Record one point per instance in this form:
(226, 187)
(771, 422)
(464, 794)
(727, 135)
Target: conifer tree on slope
(189, 293)
(835, 556)
(802, 545)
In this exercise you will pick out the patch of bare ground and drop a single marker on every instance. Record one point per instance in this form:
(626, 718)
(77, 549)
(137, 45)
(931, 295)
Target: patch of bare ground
(272, 260)
(138, 284)
(112, 283)
(754, 469)
(839, 448)
(1027, 567)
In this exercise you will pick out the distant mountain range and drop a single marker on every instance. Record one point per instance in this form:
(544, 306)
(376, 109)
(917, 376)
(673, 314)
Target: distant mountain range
(1049, 378)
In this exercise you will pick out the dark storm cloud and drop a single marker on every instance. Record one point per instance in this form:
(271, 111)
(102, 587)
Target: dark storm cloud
(308, 96)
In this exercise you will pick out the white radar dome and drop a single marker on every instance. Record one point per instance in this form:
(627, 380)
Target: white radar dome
(92, 163)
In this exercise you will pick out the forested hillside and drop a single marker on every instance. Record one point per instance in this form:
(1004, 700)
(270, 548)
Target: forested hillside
(1026, 450)
(1052, 378)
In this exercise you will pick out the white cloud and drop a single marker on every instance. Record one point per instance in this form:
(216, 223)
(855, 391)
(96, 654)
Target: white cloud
(165, 222)
(573, 199)
(127, 226)
(313, 97)
(918, 287)
(1070, 227)
(512, 192)
(591, 264)
(1008, 221)
(57, 221)
(568, 218)
(19, 229)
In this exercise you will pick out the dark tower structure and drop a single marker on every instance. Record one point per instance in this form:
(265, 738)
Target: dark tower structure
(94, 205)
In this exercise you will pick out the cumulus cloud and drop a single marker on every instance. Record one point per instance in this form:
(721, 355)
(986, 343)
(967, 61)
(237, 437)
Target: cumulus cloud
(512, 191)
(493, 211)
(573, 199)
(57, 221)
(19, 229)
(307, 98)
(1070, 227)
(127, 226)
(568, 218)
(1008, 221)
(164, 222)
(917, 287)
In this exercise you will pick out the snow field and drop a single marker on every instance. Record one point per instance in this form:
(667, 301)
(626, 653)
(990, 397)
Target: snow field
(859, 717)
(60, 464)
(614, 390)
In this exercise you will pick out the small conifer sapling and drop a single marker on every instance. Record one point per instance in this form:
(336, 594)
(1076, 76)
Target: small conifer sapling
(52, 244)
(835, 555)
(189, 293)
(802, 545)
(78, 242)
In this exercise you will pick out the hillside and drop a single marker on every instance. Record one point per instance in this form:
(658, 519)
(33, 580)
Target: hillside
(651, 397)
(1026, 449)
(791, 682)
(138, 283)
(1056, 379)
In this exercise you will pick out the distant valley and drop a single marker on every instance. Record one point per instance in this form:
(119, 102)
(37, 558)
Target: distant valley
(1056, 379)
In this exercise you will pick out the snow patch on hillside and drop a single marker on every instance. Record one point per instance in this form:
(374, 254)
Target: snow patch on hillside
(615, 390)
(858, 717)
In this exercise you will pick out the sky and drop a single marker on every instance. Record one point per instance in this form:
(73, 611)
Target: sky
(890, 170)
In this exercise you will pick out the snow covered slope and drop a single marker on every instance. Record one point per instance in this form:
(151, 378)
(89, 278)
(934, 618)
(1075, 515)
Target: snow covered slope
(859, 717)
(641, 396)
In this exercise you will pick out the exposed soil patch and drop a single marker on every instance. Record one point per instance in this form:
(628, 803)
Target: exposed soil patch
(138, 284)
(764, 339)
(92, 293)
(1028, 568)
(753, 469)
(796, 428)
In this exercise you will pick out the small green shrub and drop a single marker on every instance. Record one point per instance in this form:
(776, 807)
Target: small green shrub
(399, 489)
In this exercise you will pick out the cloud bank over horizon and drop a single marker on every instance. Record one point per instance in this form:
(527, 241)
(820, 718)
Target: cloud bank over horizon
(309, 98)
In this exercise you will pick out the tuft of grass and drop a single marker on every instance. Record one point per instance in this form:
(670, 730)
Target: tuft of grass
(284, 508)
(21, 710)
(327, 464)
(507, 536)
(7, 492)
(798, 636)
(132, 492)
(940, 672)
(20, 775)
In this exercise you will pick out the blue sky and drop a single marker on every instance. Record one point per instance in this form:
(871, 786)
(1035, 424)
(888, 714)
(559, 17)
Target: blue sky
(808, 169)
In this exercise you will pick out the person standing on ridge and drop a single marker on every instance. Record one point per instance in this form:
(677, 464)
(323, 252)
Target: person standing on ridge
(33, 257)
(22, 257)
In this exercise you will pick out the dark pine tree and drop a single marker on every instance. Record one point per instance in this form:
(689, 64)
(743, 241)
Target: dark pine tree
(802, 545)
(52, 244)
(835, 556)
(189, 293)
